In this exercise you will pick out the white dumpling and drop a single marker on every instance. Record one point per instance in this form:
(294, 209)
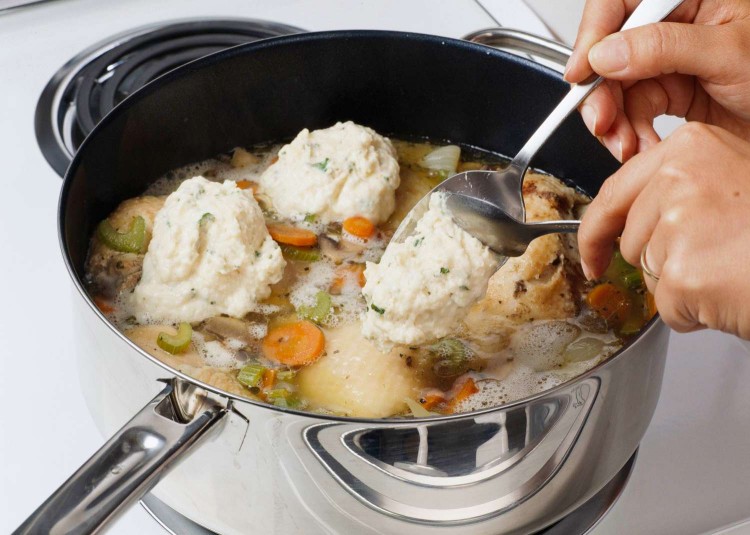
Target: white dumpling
(334, 173)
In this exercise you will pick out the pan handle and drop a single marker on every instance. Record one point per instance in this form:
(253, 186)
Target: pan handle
(129, 464)
(523, 43)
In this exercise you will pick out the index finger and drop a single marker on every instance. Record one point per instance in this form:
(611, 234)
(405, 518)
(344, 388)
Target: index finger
(604, 17)
(605, 217)
(600, 18)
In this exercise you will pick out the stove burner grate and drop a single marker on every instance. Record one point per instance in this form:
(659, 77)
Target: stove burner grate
(86, 88)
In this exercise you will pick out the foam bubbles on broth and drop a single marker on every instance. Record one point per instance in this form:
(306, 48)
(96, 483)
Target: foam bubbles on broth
(532, 362)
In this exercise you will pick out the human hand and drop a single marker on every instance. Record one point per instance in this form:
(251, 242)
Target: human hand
(688, 198)
(700, 70)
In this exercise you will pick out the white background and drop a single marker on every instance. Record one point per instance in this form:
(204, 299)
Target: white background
(692, 473)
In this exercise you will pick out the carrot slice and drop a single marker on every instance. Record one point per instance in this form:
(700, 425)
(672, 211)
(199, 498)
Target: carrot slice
(345, 271)
(292, 235)
(469, 388)
(103, 305)
(359, 271)
(294, 344)
(247, 184)
(337, 285)
(431, 400)
(359, 226)
(269, 378)
(610, 302)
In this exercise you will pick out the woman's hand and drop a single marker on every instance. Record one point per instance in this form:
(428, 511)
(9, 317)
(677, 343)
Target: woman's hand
(688, 198)
(700, 71)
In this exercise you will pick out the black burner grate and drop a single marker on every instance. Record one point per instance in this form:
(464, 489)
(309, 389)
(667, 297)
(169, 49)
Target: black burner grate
(83, 91)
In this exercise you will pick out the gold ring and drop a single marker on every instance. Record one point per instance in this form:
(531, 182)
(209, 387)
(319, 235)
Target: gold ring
(647, 270)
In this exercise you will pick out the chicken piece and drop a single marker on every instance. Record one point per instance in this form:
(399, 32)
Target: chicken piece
(354, 378)
(146, 206)
(188, 362)
(536, 285)
(113, 272)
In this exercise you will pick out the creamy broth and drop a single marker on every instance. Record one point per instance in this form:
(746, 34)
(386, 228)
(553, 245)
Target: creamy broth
(540, 324)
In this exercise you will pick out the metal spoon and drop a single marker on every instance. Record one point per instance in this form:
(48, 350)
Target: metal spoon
(489, 204)
(503, 234)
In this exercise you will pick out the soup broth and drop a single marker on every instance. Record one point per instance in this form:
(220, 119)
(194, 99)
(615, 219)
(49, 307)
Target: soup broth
(541, 323)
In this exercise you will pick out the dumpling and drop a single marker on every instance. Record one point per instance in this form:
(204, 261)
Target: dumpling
(334, 173)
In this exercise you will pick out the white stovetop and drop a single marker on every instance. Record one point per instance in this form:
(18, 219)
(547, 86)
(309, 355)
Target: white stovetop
(692, 471)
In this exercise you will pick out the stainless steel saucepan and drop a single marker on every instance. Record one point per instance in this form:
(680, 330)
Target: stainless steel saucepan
(245, 467)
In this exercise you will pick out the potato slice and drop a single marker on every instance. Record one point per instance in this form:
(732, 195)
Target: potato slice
(242, 158)
(356, 379)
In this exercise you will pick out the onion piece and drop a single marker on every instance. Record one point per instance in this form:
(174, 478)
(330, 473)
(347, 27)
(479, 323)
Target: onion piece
(442, 159)
(417, 410)
(583, 349)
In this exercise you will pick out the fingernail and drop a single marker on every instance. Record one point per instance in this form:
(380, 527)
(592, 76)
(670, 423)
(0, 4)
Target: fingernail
(589, 115)
(610, 55)
(614, 145)
(568, 65)
(586, 270)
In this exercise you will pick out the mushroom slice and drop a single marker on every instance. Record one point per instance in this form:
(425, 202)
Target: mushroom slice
(226, 327)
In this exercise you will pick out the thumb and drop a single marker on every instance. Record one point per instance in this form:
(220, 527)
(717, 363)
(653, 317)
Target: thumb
(664, 48)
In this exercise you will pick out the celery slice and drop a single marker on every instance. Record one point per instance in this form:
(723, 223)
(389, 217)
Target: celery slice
(451, 349)
(176, 343)
(285, 375)
(620, 270)
(281, 397)
(131, 241)
(278, 393)
(632, 326)
(251, 375)
(453, 357)
(318, 312)
(633, 279)
(303, 254)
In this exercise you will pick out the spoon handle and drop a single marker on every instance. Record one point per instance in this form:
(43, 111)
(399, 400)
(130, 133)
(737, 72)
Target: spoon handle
(647, 12)
(541, 228)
